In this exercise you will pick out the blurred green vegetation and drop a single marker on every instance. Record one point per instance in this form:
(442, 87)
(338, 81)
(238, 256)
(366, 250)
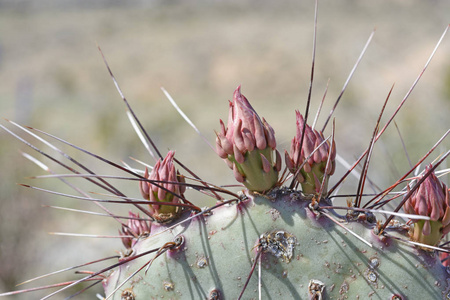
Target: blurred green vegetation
(53, 78)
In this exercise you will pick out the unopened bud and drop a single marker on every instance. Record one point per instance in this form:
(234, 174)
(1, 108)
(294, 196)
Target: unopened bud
(165, 189)
(313, 155)
(135, 228)
(431, 199)
(248, 145)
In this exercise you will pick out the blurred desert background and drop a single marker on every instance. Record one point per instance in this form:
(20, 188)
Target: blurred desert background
(52, 77)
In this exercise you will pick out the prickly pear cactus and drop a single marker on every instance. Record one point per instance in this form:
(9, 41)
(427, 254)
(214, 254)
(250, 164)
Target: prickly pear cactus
(281, 235)
(274, 241)
(299, 254)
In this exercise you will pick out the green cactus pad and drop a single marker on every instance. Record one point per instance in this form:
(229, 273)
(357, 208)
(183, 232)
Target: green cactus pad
(326, 260)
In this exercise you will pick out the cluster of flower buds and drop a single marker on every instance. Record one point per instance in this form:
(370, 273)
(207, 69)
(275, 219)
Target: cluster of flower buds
(248, 146)
(432, 199)
(312, 157)
(163, 185)
(136, 228)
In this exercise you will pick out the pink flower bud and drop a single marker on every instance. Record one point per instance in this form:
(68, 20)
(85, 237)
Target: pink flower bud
(136, 228)
(248, 146)
(165, 189)
(432, 199)
(312, 157)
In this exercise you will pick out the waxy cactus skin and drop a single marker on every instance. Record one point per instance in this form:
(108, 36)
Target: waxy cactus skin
(218, 252)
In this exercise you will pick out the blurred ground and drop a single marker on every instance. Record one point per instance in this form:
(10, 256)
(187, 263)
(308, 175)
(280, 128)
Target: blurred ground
(53, 78)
